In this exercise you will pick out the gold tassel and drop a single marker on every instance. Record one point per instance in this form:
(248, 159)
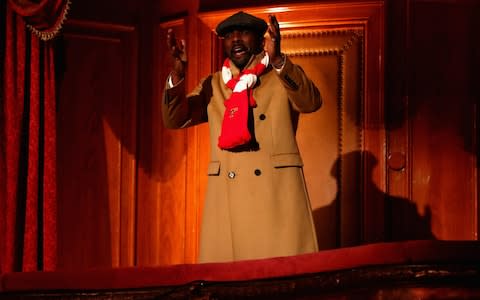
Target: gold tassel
(50, 34)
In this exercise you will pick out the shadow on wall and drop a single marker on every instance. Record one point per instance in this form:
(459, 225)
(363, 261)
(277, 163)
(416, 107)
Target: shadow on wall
(401, 219)
(87, 206)
(419, 83)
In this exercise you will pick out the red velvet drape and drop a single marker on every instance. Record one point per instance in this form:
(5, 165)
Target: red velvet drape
(28, 136)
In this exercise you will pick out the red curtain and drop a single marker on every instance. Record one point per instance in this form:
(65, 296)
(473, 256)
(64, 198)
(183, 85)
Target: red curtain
(28, 240)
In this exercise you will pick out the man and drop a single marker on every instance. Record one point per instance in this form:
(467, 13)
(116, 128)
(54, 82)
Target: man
(256, 205)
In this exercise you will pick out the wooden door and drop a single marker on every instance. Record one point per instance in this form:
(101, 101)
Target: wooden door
(433, 119)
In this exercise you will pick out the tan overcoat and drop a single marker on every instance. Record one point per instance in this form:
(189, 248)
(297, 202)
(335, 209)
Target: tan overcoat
(257, 204)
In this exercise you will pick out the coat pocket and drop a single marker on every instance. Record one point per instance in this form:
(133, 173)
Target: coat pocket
(287, 160)
(214, 168)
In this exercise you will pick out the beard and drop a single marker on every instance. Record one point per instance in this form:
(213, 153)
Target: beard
(242, 62)
(240, 55)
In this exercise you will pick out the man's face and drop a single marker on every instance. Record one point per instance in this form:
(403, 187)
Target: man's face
(240, 44)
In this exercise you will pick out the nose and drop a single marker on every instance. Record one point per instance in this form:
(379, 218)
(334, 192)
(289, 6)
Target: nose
(236, 35)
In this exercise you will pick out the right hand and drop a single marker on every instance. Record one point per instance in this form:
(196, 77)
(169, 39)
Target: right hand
(272, 43)
(178, 51)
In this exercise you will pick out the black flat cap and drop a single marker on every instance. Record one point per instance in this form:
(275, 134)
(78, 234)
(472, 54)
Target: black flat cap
(242, 20)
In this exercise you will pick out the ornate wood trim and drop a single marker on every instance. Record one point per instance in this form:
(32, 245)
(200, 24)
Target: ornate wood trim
(429, 281)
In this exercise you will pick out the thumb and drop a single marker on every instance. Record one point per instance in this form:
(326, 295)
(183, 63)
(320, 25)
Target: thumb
(183, 52)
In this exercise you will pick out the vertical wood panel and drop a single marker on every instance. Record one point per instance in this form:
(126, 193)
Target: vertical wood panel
(199, 143)
(162, 199)
(433, 117)
(96, 145)
(397, 123)
(332, 57)
(442, 113)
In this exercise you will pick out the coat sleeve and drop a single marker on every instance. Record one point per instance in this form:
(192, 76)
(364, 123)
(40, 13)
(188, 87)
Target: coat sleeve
(302, 92)
(180, 110)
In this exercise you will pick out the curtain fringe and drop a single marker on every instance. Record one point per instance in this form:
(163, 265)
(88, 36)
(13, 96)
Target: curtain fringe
(51, 33)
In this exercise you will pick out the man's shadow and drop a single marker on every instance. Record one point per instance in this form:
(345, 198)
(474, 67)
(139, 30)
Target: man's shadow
(401, 219)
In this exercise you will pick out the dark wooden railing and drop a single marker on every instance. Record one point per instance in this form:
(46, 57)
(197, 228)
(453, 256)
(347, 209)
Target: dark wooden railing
(398, 270)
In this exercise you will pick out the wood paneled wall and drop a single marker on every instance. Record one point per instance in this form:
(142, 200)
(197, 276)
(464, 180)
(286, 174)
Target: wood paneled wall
(97, 144)
(433, 116)
(392, 154)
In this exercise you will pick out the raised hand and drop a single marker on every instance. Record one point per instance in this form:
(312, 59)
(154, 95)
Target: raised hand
(272, 43)
(178, 51)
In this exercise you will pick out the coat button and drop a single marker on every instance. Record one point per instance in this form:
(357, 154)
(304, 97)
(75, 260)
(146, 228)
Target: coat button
(231, 175)
(258, 172)
(262, 117)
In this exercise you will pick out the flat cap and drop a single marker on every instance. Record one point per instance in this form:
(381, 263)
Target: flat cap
(242, 20)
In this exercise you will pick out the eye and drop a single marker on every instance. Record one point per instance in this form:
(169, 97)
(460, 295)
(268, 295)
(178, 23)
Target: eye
(228, 35)
(245, 32)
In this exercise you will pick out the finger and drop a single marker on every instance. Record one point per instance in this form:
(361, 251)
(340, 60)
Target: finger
(270, 30)
(270, 18)
(273, 35)
(273, 28)
(274, 22)
(170, 39)
(174, 45)
(183, 51)
(271, 23)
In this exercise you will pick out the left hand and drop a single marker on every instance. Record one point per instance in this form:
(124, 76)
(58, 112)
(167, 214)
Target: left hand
(272, 42)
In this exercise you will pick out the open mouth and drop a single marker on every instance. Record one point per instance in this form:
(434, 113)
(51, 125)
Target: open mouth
(238, 51)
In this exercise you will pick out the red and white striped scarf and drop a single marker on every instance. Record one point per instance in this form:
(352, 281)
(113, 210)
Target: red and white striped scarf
(235, 130)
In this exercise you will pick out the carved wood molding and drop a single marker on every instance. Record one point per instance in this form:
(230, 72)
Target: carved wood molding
(339, 52)
(100, 30)
(356, 35)
(304, 14)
